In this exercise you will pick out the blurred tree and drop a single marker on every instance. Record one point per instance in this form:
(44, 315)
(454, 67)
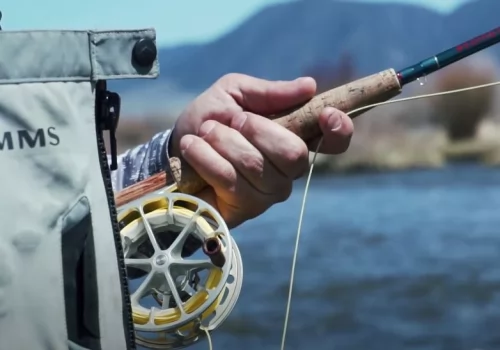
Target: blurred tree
(460, 114)
(329, 75)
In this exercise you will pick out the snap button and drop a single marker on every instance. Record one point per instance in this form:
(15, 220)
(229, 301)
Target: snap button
(144, 52)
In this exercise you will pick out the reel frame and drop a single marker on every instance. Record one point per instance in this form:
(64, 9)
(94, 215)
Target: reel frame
(187, 307)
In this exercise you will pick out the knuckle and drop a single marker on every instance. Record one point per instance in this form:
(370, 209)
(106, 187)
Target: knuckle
(207, 129)
(253, 163)
(226, 111)
(227, 178)
(297, 156)
(239, 122)
(229, 78)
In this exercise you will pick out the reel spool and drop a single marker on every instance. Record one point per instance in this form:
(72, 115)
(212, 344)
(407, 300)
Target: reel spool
(184, 268)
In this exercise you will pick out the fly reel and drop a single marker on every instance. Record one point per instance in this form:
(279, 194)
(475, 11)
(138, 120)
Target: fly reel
(184, 268)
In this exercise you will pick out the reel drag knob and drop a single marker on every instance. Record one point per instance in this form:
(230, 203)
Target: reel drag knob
(184, 268)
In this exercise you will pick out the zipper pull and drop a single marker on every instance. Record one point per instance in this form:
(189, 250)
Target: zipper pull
(112, 116)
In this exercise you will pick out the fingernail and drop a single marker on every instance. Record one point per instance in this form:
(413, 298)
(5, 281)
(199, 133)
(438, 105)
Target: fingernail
(186, 141)
(303, 80)
(206, 127)
(335, 121)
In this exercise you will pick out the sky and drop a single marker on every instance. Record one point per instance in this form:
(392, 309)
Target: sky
(176, 21)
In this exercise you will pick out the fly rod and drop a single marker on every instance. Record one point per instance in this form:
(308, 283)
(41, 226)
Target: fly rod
(303, 121)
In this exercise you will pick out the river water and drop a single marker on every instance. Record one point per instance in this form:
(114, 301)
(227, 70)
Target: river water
(407, 260)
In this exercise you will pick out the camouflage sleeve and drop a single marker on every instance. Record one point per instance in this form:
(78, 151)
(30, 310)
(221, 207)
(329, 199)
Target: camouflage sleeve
(140, 162)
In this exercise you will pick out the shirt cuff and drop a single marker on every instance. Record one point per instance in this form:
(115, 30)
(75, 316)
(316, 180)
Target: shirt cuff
(166, 157)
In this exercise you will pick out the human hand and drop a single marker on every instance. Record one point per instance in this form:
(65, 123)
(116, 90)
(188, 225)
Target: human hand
(249, 161)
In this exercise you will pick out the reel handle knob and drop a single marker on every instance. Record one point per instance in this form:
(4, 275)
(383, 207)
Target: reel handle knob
(302, 121)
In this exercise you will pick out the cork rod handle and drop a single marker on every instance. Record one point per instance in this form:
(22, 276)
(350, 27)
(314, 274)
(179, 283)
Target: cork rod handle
(303, 121)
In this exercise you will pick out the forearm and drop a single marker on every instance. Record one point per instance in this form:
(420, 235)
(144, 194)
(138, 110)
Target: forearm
(140, 162)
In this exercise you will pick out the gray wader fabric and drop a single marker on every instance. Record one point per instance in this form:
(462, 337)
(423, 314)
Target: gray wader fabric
(62, 276)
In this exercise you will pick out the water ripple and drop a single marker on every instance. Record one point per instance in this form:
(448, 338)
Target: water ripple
(397, 261)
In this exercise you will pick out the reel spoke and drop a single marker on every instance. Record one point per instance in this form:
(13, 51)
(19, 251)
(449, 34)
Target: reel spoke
(178, 244)
(142, 264)
(143, 287)
(175, 292)
(149, 231)
(192, 265)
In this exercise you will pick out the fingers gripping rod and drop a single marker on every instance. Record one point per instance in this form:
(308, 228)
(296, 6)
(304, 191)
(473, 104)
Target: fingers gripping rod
(163, 226)
(303, 121)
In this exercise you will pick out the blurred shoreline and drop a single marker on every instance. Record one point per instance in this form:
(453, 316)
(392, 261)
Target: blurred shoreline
(405, 149)
(380, 151)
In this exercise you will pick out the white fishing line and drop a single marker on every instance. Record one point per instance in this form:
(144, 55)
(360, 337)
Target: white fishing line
(209, 338)
(308, 182)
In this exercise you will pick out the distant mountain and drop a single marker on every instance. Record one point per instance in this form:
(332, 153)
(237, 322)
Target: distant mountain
(283, 40)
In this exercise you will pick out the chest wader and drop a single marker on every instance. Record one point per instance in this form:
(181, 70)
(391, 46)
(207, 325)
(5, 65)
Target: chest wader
(62, 274)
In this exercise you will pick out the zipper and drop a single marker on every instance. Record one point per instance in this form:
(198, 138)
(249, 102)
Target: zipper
(107, 113)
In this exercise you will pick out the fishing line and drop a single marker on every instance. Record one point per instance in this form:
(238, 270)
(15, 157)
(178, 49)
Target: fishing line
(209, 338)
(308, 182)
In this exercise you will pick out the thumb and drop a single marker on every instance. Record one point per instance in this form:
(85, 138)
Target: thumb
(267, 97)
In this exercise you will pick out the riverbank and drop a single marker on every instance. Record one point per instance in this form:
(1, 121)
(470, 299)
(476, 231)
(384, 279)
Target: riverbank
(404, 148)
(380, 149)
(381, 142)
